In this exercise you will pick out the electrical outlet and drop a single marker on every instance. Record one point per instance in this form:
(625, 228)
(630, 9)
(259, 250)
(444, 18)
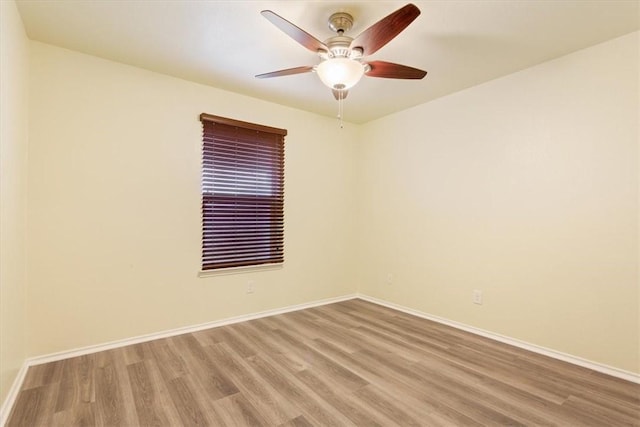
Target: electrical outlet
(389, 279)
(250, 286)
(477, 297)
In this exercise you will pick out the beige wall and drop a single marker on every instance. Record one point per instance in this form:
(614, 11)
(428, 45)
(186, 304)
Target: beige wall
(14, 73)
(114, 197)
(526, 188)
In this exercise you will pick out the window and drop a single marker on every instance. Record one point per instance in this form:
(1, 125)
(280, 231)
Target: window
(242, 193)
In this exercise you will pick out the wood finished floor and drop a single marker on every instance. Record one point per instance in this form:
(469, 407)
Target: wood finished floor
(349, 363)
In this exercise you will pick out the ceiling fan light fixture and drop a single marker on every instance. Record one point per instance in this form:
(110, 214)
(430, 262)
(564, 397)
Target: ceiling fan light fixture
(340, 73)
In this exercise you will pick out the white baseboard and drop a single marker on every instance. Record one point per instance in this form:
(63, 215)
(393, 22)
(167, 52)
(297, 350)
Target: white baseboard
(38, 360)
(7, 405)
(179, 331)
(599, 367)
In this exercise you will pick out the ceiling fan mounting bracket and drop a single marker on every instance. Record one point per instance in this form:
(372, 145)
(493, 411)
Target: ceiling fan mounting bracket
(340, 22)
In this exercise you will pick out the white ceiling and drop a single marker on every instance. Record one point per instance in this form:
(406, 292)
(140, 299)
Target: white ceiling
(225, 43)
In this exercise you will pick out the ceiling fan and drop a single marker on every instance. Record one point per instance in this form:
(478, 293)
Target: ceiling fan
(342, 57)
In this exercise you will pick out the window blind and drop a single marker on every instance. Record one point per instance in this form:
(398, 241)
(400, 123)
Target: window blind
(242, 193)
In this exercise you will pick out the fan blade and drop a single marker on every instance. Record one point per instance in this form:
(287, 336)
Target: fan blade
(299, 35)
(389, 70)
(382, 32)
(287, 72)
(340, 94)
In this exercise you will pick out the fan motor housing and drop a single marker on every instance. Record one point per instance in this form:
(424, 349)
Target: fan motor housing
(339, 46)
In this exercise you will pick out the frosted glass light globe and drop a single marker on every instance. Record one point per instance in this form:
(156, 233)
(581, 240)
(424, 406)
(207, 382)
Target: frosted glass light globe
(340, 73)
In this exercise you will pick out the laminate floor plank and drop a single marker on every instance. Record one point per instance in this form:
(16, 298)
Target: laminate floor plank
(330, 369)
(396, 410)
(413, 393)
(236, 410)
(297, 393)
(299, 421)
(31, 407)
(403, 334)
(205, 368)
(335, 331)
(146, 397)
(137, 352)
(45, 374)
(451, 393)
(341, 401)
(266, 342)
(186, 402)
(82, 415)
(169, 360)
(109, 401)
(337, 317)
(77, 384)
(599, 411)
(270, 404)
(523, 405)
(348, 363)
(238, 342)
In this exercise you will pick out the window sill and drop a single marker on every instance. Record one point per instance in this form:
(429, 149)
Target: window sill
(239, 270)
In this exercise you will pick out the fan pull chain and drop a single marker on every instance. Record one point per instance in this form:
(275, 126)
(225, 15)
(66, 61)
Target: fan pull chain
(341, 109)
(339, 91)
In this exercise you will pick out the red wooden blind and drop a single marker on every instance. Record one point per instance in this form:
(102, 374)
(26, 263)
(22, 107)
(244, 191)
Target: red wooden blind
(242, 193)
